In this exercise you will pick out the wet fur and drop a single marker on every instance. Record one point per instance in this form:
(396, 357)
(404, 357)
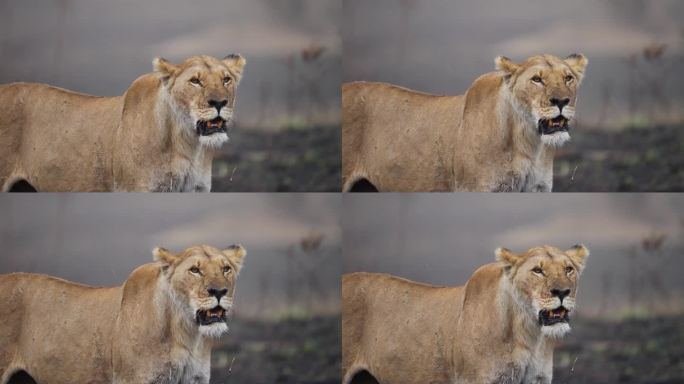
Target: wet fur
(59, 140)
(486, 331)
(486, 140)
(141, 332)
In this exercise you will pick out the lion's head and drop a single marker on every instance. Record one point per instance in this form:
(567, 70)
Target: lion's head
(544, 283)
(203, 90)
(201, 282)
(543, 90)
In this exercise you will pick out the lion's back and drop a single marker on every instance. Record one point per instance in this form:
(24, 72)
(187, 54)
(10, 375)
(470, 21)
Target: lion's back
(49, 133)
(44, 316)
(395, 327)
(399, 137)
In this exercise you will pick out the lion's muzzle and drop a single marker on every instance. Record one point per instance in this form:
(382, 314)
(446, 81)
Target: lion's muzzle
(211, 316)
(554, 316)
(210, 127)
(553, 125)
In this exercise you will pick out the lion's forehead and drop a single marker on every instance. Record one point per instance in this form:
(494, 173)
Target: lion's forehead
(548, 256)
(560, 70)
(205, 255)
(204, 65)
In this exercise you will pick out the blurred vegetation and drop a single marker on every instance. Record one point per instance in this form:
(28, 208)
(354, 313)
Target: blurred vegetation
(630, 160)
(626, 351)
(645, 152)
(297, 351)
(301, 152)
(641, 341)
(290, 160)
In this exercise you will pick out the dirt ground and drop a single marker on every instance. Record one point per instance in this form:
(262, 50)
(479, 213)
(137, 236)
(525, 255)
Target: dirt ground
(291, 160)
(629, 351)
(630, 160)
(296, 351)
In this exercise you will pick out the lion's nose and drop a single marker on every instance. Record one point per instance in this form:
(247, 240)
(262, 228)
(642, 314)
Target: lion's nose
(217, 293)
(218, 104)
(560, 293)
(560, 103)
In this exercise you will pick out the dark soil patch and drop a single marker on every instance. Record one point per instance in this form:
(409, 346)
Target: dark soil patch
(302, 351)
(291, 160)
(644, 160)
(629, 351)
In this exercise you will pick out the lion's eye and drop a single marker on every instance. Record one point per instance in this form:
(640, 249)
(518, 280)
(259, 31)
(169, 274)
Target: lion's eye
(195, 81)
(195, 270)
(538, 271)
(568, 78)
(569, 269)
(227, 269)
(227, 80)
(537, 79)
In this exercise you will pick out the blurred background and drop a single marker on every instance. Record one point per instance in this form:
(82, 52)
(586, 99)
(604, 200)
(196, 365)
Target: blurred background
(630, 131)
(630, 323)
(285, 326)
(286, 136)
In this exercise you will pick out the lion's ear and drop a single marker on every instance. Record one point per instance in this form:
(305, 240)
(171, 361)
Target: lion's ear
(236, 253)
(164, 67)
(505, 65)
(578, 254)
(578, 63)
(236, 64)
(506, 256)
(164, 256)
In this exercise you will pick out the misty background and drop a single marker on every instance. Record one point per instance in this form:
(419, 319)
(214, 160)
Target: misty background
(100, 47)
(635, 241)
(442, 46)
(287, 111)
(293, 241)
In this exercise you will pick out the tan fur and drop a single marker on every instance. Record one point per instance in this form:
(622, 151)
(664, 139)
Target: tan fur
(486, 140)
(487, 331)
(145, 140)
(141, 332)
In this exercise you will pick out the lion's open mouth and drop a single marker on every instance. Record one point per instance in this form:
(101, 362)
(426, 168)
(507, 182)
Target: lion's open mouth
(211, 316)
(209, 127)
(553, 316)
(551, 126)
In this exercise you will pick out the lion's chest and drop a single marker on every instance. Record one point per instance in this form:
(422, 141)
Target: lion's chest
(526, 175)
(185, 176)
(524, 367)
(188, 369)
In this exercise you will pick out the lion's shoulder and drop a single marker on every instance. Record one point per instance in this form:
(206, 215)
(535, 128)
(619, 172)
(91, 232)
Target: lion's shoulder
(484, 282)
(483, 88)
(143, 278)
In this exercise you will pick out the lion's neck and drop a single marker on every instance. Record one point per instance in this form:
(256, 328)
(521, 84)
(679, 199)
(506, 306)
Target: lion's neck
(178, 329)
(517, 122)
(524, 328)
(190, 161)
(177, 129)
(531, 160)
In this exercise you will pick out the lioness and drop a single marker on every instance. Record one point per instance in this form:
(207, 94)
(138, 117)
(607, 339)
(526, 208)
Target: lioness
(498, 328)
(159, 136)
(500, 136)
(157, 327)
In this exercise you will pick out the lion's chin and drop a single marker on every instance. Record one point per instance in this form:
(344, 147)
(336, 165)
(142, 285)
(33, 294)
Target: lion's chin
(215, 140)
(555, 323)
(556, 331)
(214, 330)
(556, 139)
(554, 132)
(212, 322)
